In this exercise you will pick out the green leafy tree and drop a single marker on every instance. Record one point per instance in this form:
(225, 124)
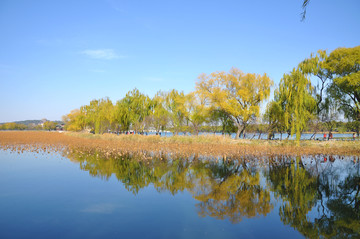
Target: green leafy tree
(49, 125)
(220, 121)
(159, 115)
(294, 94)
(99, 115)
(275, 118)
(175, 106)
(12, 126)
(197, 112)
(316, 67)
(122, 116)
(139, 106)
(75, 120)
(344, 64)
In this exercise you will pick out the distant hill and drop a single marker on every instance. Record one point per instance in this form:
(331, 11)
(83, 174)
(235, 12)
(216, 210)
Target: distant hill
(27, 122)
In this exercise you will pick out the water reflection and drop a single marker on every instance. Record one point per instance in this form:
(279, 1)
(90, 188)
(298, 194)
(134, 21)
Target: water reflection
(319, 196)
(230, 190)
(319, 200)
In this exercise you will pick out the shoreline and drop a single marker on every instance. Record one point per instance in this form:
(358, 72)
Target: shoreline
(185, 146)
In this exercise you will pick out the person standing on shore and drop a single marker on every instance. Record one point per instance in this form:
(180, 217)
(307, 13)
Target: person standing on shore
(354, 136)
(324, 136)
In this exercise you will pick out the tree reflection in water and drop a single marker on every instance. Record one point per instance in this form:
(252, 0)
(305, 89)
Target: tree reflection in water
(319, 198)
(297, 188)
(229, 189)
(320, 189)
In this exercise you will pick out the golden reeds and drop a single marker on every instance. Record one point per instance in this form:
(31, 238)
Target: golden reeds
(183, 146)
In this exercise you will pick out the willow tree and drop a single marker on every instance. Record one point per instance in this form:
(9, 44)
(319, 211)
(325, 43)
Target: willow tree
(175, 106)
(159, 115)
(344, 64)
(122, 116)
(316, 67)
(197, 112)
(238, 94)
(275, 117)
(99, 115)
(139, 106)
(294, 94)
(75, 120)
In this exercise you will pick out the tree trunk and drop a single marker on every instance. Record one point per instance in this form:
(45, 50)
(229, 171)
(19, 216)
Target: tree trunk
(313, 135)
(242, 131)
(238, 133)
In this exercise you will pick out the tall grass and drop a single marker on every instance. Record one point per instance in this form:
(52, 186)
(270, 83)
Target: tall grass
(187, 146)
(216, 140)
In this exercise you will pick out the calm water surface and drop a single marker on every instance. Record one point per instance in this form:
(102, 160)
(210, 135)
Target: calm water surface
(84, 196)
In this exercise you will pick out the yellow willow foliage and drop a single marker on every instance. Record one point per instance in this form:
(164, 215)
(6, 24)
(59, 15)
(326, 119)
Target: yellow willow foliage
(196, 112)
(344, 64)
(236, 93)
(295, 95)
(75, 120)
(159, 114)
(175, 106)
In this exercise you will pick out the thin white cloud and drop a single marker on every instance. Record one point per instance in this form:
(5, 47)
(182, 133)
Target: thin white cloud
(104, 54)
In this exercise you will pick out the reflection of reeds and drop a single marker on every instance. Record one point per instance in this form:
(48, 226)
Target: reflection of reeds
(184, 146)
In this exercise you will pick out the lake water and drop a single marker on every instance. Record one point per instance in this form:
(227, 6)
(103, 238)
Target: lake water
(84, 196)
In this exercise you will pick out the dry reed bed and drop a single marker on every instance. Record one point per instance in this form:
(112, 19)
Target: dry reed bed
(182, 146)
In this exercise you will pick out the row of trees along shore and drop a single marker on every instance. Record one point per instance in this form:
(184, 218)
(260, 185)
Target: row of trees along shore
(318, 93)
(46, 125)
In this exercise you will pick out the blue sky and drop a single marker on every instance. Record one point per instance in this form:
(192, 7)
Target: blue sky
(59, 55)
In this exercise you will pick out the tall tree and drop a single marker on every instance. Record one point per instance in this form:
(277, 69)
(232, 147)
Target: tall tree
(99, 115)
(275, 117)
(139, 106)
(344, 64)
(159, 114)
(295, 96)
(316, 68)
(197, 112)
(236, 93)
(75, 120)
(175, 106)
(122, 116)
